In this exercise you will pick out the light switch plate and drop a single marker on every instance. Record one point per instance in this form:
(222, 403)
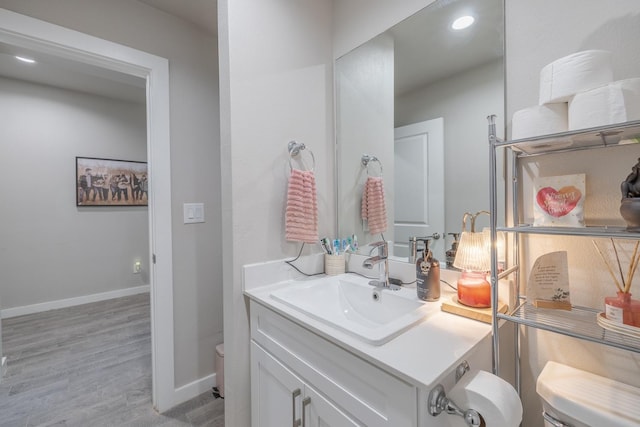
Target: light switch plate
(193, 213)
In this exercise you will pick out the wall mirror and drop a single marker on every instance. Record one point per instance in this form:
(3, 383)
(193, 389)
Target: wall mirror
(416, 98)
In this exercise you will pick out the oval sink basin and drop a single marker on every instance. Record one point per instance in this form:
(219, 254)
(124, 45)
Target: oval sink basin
(350, 304)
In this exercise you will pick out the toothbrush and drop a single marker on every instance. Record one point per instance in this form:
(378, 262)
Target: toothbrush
(336, 246)
(324, 249)
(325, 245)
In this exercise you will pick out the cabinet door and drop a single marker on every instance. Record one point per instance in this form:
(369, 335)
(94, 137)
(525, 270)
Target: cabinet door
(319, 412)
(276, 393)
(279, 397)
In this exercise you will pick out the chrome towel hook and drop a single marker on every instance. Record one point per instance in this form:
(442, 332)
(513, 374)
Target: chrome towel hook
(294, 148)
(367, 159)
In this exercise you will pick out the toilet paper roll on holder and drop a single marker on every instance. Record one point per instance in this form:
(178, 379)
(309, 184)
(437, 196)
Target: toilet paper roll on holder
(439, 402)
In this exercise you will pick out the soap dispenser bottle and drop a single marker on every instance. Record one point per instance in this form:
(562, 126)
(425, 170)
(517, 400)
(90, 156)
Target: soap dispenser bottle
(428, 275)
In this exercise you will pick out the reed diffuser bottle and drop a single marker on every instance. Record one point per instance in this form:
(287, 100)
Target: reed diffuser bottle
(622, 308)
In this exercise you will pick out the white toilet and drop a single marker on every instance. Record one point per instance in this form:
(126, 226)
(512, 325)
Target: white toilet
(581, 399)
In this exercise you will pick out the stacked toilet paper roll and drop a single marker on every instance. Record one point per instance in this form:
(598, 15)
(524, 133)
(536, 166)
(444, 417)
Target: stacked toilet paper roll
(578, 92)
(560, 81)
(539, 120)
(495, 399)
(581, 71)
(612, 103)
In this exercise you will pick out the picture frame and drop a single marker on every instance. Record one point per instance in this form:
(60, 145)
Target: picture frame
(111, 182)
(558, 201)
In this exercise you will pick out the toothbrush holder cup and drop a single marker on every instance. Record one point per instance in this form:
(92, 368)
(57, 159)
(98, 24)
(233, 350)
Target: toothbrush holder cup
(334, 264)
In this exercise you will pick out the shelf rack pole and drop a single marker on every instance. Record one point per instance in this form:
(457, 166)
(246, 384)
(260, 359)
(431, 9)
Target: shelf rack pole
(515, 298)
(493, 209)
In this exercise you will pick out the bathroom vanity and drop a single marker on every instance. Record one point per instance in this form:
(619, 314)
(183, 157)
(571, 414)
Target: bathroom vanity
(310, 369)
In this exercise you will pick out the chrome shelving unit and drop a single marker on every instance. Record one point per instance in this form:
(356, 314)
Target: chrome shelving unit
(579, 322)
(583, 139)
(604, 231)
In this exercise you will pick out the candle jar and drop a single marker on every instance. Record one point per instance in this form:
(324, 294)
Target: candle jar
(622, 309)
(474, 290)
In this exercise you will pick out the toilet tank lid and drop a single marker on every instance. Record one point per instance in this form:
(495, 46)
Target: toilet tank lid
(589, 398)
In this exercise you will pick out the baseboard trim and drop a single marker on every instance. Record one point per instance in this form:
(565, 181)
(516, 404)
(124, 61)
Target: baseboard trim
(70, 302)
(193, 389)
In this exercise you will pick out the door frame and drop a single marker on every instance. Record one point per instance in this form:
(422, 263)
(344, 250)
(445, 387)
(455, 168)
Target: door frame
(34, 34)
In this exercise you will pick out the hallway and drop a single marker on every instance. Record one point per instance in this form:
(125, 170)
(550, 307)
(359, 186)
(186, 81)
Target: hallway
(89, 365)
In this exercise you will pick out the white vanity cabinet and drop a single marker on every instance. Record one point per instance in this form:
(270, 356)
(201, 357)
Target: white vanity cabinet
(281, 398)
(301, 379)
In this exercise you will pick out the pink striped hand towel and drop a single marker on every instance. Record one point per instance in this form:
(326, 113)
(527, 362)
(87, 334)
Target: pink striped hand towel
(373, 209)
(301, 216)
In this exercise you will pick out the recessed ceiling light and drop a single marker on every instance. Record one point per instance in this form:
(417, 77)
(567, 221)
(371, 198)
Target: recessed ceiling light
(23, 59)
(462, 22)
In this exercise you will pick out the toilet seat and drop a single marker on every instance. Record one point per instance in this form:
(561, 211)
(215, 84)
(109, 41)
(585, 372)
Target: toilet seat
(589, 398)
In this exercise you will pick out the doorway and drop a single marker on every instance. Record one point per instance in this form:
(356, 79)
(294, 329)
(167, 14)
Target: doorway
(22, 31)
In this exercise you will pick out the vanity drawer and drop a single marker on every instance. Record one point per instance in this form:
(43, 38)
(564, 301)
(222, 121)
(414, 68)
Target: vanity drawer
(369, 393)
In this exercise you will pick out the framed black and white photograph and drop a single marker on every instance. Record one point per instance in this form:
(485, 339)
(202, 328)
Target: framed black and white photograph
(110, 182)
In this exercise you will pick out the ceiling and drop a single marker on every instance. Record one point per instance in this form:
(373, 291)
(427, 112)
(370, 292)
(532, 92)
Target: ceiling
(426, 49)
(51, 70)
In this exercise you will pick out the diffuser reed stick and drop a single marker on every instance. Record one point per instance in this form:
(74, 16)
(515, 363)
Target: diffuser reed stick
(625, 287)
(634, 260)
(632, 268)
(618, 261)
(613, 276)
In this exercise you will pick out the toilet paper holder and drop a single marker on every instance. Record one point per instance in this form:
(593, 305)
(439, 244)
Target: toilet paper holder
(439, 402)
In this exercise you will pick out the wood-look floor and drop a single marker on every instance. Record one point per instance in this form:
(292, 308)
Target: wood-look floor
(89, 366)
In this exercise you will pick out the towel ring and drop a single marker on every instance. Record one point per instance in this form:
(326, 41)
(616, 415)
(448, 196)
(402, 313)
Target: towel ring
(367, 159)
(294, 150)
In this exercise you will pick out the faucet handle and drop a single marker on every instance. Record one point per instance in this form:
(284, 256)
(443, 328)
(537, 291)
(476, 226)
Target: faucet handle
(434, 236)
(382, 246)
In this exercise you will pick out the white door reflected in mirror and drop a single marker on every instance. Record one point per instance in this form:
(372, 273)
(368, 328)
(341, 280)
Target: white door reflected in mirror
(419, 185)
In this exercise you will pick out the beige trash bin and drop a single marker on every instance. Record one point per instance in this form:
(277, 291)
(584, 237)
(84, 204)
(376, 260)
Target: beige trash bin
(220, 369)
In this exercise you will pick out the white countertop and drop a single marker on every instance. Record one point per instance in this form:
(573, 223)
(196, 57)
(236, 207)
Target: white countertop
(420, 356)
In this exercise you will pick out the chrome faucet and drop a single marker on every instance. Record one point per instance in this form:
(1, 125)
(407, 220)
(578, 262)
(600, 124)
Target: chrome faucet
(382, 259)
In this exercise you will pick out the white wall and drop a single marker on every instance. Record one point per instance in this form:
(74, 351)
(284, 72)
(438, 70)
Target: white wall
(537, 34)
(51, 249)
(464, 101)
(276, 85)
(195, 156)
